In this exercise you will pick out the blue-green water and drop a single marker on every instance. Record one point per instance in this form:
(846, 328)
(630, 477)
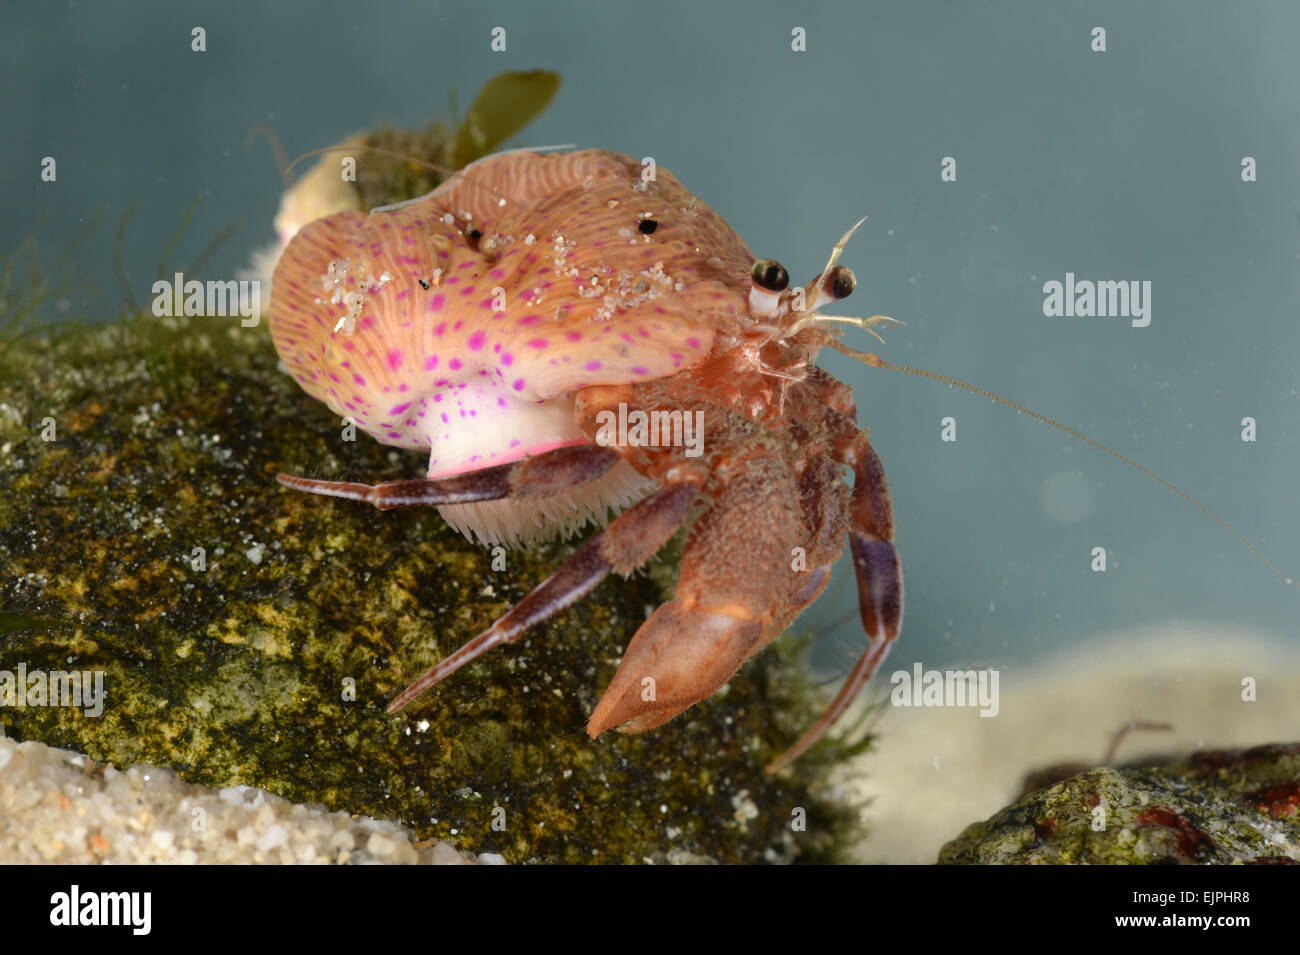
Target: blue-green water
(1116, 165)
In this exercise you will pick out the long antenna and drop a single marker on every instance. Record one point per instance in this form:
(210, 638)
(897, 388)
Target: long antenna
(875, 361)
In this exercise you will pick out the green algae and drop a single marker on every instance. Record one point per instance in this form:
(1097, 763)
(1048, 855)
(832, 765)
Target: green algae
(270, 662)
(1233, 806)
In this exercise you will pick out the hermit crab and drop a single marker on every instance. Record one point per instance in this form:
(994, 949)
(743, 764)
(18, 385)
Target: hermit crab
(502, 322)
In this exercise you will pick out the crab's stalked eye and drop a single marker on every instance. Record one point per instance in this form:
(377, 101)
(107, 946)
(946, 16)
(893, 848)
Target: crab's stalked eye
(768, 280)
(841, 282)
(770, 275)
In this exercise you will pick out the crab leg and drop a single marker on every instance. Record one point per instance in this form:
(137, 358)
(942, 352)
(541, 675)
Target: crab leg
(626, 544)
(532, 477)
(880, 583)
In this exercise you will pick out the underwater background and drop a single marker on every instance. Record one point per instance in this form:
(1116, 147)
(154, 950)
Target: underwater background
(1117, 165)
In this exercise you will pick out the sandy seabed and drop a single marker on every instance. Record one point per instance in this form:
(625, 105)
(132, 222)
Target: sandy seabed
(57, 806)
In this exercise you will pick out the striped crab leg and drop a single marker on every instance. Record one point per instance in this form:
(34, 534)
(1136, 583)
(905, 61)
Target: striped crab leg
(628, 542)
(537, 476)
(880, 583)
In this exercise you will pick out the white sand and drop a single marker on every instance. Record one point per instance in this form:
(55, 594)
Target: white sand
(56, 808)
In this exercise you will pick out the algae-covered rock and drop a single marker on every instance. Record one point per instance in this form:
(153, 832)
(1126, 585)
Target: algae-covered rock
(1216, 807)
(249, 635)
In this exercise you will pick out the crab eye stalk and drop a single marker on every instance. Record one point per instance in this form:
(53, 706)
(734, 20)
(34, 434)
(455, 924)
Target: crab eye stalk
(840, 282)
(769, 279)
(769, 274)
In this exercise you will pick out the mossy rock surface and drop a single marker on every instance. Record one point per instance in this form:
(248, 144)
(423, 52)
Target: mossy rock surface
(167, 436)
(1228, 806)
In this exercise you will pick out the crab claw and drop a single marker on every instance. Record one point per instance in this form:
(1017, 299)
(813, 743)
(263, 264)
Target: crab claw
(679, 656)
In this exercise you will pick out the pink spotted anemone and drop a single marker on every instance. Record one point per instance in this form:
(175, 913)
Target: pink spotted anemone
(461, 323)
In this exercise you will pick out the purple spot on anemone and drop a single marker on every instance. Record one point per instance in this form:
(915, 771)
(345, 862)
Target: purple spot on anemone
(398, 409)
(431, 363)
(518, 385)
(436, 303)
(477, 340)
(395, 359)
(592, 366)
(454, 364)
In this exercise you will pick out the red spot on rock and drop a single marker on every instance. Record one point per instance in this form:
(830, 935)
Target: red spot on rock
(1190, 839)
(1277, 801)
